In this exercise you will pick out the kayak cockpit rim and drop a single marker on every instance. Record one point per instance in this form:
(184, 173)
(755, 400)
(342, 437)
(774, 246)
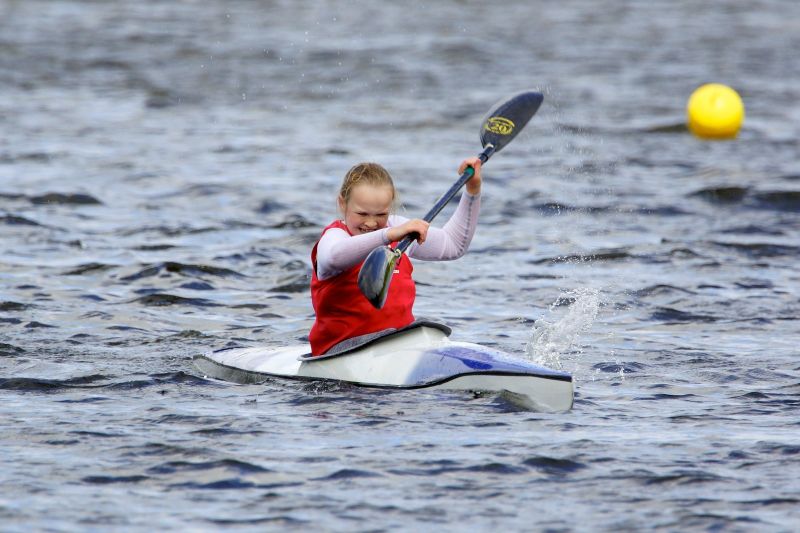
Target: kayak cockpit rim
(357, 343)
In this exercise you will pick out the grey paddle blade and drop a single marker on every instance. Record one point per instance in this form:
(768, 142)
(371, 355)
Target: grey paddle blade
(376, 274)
(508, 118)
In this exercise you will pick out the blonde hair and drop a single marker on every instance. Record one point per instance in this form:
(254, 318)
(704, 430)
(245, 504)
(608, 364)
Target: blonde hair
(366, 173)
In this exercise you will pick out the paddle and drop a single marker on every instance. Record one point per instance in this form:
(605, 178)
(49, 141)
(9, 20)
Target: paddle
(501, 125)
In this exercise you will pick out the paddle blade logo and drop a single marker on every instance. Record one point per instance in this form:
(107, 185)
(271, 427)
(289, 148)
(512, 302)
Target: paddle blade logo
(499, 126)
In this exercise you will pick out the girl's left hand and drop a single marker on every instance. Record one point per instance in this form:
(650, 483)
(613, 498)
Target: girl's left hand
(474, 183)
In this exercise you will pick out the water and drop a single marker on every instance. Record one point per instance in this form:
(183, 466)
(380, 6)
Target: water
(165, 168)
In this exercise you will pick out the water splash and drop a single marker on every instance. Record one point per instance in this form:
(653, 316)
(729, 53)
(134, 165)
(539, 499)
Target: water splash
(553, 335)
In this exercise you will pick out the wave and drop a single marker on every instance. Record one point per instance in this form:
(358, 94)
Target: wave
(25, 157)
(752, 229)
(87, 268)
(183, 269)
(292, 284)
(660, 290)
(98, 382)
(49, 385)
(14, 220)
(9, 350)
(55, 198)
(624, 367)
(164, 299)
(154, 247)
(611, 255)
(348, 473)
(34, 325)
(681, 477)
(721, 195)
(294, 222)
(108, 480)
(669, 315)
(158, 380)
(168, 231)
(786, 201)
(13, 306)
(64, 199)
(270, 206)
(778, 200)
(229, 465)
(553, 466)
(760, 250)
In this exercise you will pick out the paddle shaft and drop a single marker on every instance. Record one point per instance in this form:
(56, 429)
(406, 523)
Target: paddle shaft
(446, 197)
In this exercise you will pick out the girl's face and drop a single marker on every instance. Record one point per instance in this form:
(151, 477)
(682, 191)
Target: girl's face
(368, 208)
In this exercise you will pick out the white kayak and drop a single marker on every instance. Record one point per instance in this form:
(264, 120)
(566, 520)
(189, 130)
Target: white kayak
(420, 356)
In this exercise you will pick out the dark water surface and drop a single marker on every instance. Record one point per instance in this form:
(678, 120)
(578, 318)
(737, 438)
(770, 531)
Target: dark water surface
(165, 168)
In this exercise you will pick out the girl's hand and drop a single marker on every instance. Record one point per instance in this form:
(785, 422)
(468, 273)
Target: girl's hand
(474, 183)
(416, 225)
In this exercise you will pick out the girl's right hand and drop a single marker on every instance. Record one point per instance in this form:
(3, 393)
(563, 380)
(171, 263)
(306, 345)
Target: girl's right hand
(416, 225)
(474, 184)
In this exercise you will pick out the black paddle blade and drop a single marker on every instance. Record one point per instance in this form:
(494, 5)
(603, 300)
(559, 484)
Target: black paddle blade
(508, 118)
(376, 274)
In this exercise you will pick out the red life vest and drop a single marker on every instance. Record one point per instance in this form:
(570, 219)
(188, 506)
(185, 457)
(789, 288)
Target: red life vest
(343, 312)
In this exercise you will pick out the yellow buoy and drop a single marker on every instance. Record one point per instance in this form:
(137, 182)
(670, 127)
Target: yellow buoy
(715, 111)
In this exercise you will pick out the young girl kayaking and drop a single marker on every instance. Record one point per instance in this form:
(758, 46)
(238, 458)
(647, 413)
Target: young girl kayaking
(366, 201)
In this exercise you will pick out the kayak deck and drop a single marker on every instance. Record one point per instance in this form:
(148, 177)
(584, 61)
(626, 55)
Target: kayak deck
(418, 357)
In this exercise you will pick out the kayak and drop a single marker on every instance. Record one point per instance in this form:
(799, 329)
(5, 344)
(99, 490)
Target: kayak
(419, 356)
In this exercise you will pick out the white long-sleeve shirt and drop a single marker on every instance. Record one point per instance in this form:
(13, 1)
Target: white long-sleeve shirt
(338, 251)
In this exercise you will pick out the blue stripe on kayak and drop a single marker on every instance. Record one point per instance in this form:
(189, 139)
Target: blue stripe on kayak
(442, 363)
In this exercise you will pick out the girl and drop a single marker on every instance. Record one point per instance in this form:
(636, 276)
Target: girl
(366, 201)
